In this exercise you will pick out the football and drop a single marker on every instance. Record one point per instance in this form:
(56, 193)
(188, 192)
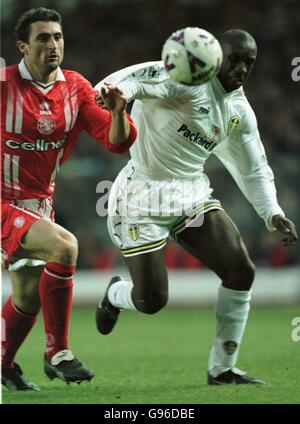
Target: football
(192, 56)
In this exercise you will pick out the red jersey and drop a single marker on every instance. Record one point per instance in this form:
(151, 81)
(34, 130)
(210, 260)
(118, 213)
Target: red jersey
(39, 126)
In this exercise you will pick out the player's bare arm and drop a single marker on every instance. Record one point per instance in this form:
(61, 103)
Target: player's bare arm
(286, 227)
(113, 99)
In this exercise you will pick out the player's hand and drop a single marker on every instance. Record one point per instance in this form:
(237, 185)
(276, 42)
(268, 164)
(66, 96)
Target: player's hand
(286, 227)
(99, 100)
(111, 98)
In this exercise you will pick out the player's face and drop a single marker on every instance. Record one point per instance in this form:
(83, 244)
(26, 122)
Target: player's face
(45, 48)
(238, 60)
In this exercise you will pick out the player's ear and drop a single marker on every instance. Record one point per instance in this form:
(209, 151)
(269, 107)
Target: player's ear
(23, 47)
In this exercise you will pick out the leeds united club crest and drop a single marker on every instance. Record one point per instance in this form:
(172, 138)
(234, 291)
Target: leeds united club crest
(134, 231)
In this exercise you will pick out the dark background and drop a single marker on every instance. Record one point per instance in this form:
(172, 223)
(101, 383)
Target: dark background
(102, 36)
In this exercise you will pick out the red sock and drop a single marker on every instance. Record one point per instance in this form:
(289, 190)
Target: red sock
(56, 300)
(15, 327)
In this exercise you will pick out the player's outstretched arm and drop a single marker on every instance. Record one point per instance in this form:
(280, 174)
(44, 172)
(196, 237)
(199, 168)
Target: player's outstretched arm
(113, 100)
(286, 227)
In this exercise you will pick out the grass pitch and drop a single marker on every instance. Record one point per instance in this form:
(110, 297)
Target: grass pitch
(162, 359)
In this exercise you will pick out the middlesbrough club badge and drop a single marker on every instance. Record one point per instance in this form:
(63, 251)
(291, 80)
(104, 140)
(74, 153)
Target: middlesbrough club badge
(19, 222)
(46, 125)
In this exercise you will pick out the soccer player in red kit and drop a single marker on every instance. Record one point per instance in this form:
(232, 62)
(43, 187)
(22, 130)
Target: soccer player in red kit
(43, 109)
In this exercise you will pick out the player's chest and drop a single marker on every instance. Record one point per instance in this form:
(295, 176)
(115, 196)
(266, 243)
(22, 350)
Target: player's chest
(209, 119)
(48, 115)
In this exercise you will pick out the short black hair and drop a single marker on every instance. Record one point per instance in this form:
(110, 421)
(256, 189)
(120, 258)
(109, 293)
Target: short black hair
(232, 34)
(22, 29)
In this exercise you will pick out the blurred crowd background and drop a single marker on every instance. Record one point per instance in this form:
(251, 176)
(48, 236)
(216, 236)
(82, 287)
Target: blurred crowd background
(102, 36)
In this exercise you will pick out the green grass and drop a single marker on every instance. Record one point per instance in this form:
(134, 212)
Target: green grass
(162, 359)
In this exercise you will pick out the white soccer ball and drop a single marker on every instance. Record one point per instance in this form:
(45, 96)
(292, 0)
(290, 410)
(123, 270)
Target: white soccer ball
(192, 56)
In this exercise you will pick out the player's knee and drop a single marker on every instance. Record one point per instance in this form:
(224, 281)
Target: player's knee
(66, 248)
(151, 304)
(241, 275)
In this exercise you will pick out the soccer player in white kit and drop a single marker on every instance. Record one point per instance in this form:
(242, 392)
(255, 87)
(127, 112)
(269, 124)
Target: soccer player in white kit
(179, 127)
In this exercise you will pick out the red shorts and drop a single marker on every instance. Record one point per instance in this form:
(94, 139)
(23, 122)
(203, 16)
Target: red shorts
(15, 222)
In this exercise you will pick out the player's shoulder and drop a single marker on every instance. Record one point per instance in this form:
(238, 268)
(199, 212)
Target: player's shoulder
(8, 73)
(239, 98)
(75, 77)
(149, 71)
(242, 104)
(146, 72)
(244, 109)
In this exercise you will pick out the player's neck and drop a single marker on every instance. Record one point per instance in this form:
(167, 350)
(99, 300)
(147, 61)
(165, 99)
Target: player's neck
(40, 75)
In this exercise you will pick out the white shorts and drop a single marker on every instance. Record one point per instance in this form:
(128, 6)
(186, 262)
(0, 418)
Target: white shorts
(43, 207)
(143, 213)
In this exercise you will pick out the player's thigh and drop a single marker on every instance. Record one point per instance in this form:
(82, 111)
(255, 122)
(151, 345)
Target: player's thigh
(149, 275)
(217, 243)
(45, 236)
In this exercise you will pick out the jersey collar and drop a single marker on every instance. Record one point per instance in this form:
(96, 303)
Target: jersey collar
(25, 74)
(221, 90)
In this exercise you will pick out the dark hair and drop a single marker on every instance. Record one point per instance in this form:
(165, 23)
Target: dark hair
(22, 29)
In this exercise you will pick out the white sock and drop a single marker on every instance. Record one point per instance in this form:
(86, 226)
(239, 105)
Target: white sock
(119, 295)
(232, 308)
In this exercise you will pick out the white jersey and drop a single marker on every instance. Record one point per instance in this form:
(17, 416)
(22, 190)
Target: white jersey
(180, 126)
